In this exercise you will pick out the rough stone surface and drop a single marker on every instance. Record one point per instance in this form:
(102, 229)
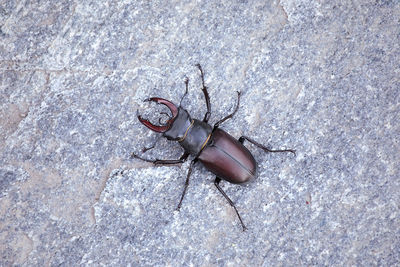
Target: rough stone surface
(322, 77)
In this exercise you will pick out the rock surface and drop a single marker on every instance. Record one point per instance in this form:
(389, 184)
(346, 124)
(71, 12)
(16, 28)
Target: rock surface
(322, 77)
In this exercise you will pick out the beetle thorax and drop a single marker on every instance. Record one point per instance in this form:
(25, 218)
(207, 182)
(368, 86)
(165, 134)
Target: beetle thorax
(191, 134)
(197, 137)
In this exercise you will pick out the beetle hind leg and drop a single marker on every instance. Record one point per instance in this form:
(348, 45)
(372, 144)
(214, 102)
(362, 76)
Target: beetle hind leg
(242, 138)
(216, 183)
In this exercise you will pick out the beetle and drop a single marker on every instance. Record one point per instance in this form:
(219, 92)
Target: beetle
(217, 150)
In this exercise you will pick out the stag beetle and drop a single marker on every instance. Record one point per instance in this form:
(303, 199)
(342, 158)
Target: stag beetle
(219, 152)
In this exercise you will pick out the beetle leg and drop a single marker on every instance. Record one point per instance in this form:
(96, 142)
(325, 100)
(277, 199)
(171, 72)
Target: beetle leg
(242, 138)
(216, 183)
(186, 183)
(186, 91)
(216, 125)
(207, 97)
(182, 159)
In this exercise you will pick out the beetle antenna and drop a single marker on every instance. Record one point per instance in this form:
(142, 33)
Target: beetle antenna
(144, 149)
(166, 114)
(186, 91)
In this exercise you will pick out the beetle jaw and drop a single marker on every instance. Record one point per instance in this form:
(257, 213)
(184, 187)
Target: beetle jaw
(168, 124)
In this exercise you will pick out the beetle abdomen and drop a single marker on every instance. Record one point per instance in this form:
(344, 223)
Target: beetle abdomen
(228, 158)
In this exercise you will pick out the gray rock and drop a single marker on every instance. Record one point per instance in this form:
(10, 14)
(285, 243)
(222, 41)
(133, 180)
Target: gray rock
(321, 77)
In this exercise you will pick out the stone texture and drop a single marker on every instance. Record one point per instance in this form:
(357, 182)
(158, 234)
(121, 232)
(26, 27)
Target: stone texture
(322, 77)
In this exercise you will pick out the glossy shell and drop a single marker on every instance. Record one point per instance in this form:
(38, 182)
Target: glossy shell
(227, 158)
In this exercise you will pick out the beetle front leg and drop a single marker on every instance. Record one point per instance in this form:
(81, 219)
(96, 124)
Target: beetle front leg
(186, 183)
(182, 159)
(186, 90)
(207, 97)
(242, 138)
(216, 183)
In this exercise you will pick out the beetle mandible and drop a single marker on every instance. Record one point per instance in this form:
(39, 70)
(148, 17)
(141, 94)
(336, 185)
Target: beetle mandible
(217, 150)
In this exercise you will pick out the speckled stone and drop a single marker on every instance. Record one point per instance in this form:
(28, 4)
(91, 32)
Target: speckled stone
(321, 77)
